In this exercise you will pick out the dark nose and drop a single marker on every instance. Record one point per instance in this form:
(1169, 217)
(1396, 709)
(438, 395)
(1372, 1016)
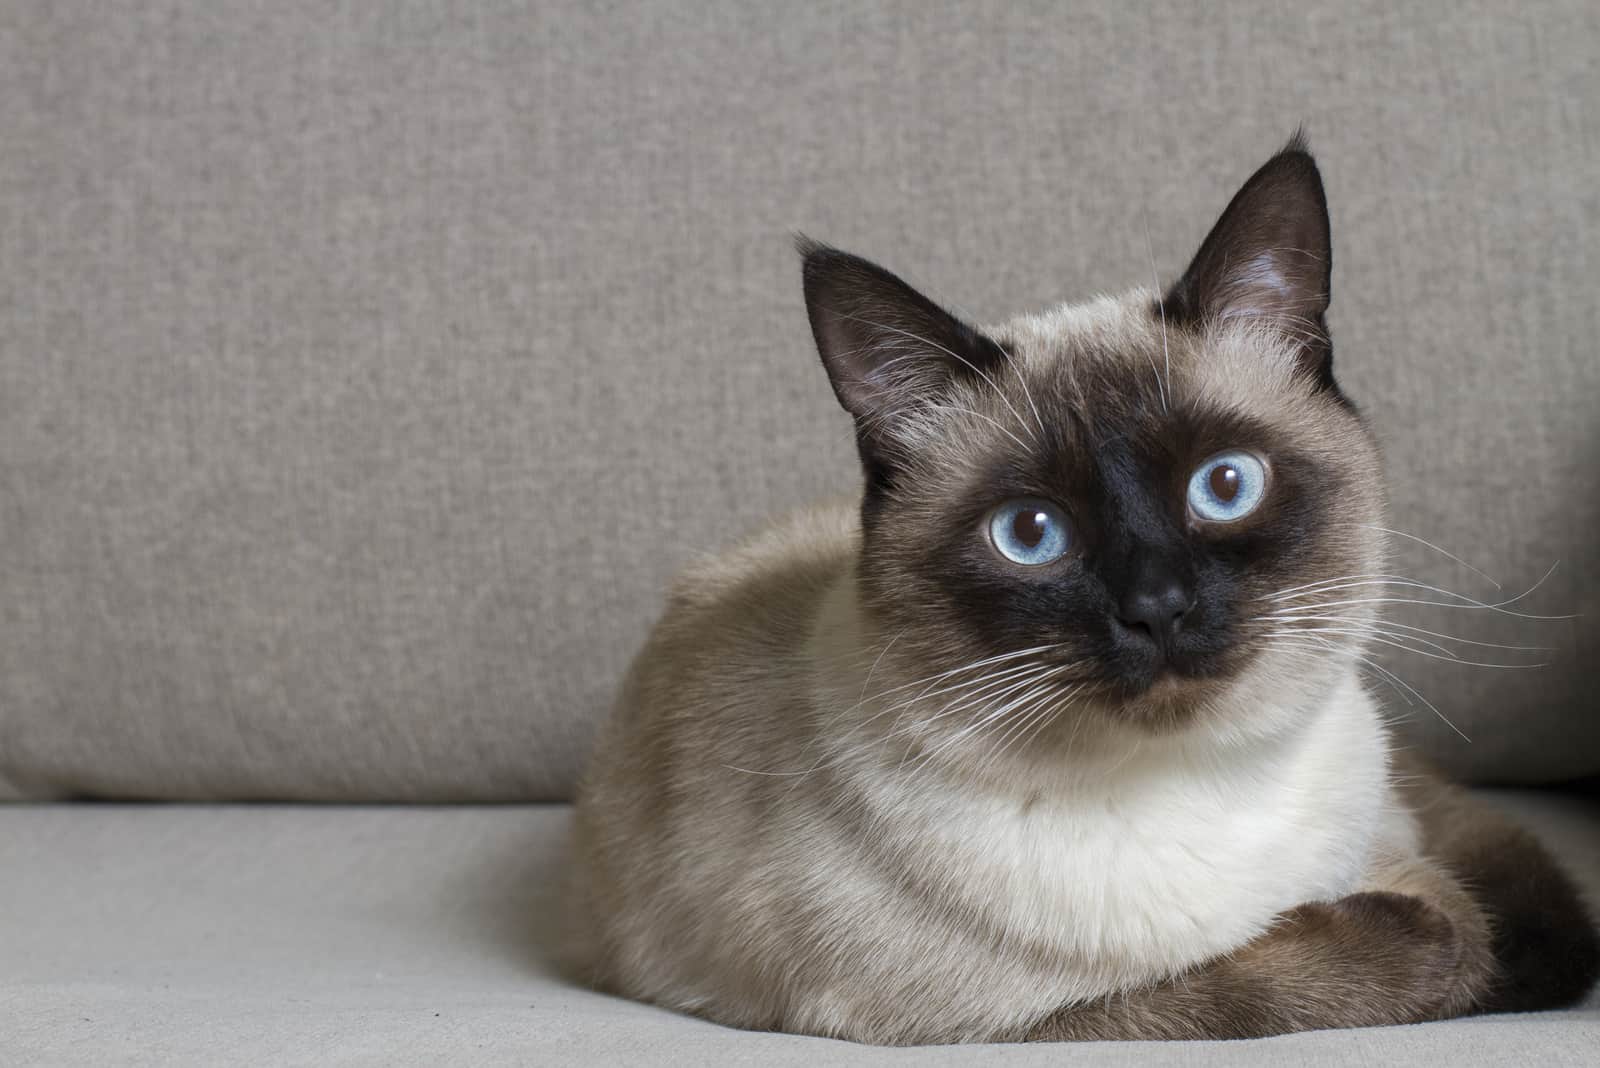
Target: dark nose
(1156, 609)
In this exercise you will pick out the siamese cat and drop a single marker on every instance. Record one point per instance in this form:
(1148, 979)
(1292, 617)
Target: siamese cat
(1049, 736)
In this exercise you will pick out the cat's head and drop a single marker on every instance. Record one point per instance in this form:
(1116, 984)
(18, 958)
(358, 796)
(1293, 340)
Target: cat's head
(1121, 486)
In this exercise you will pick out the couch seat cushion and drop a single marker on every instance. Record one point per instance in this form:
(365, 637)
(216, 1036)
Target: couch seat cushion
(401, 935)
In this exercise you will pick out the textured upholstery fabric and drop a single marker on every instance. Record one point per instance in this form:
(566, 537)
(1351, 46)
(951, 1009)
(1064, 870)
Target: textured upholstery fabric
(296, 935)
(365, 370)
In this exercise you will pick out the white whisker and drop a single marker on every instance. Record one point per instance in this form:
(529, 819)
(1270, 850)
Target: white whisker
(996, 689)
(1333, 649)
(1462, 600)
(1022, 380)
(991, 716)
(962, 689)
(1370, 636)
(1036, 723)
(1278, 595)
(953, 355)
(1014, 672)
(995, 422)
(873, 669)
(973, 666)
(1371, 630)
(1161, 308)
(1442, 552)
(1388, 624)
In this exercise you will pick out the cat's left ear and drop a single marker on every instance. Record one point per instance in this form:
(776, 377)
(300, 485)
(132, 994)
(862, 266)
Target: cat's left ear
(1268, 258)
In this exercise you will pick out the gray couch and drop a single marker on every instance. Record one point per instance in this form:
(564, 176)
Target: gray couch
(365, 371)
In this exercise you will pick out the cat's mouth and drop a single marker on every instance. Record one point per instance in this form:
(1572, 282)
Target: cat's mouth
(1167, 683)
(1163, 700)
(1166, 672)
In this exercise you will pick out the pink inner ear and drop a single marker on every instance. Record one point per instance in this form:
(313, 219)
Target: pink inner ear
(1263, 273)
(1266, 286)
(1268, 256)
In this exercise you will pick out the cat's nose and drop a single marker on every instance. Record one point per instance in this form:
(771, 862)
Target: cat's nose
(1156, 610)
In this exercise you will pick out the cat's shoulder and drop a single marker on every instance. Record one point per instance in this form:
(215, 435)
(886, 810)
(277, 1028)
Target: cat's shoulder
(793, 557)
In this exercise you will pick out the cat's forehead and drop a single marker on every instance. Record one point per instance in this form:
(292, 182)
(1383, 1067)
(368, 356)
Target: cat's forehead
(1070, 330)
(1110, 358)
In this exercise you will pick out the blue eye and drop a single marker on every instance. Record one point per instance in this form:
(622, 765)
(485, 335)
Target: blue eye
(1227, 487)
(1030, 531)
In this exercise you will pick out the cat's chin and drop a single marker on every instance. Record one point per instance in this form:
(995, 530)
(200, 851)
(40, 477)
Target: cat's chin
(1166, 702)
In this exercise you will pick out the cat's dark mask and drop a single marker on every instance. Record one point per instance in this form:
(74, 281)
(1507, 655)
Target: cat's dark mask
(1122, 482)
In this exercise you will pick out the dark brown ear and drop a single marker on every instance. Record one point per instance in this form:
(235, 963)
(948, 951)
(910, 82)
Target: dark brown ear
(887, 348)
(1269, 258)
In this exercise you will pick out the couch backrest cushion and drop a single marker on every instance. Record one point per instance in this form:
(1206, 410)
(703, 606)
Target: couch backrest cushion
(365, 374)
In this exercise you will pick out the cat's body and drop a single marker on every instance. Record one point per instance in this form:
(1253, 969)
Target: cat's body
(877, 775)
(787, 882)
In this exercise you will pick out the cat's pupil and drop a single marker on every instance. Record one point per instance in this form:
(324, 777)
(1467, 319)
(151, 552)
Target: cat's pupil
(1029, 527)
(1225, 482)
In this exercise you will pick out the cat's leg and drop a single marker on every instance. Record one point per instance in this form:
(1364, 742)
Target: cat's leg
(1369, 959)
(1543, 938)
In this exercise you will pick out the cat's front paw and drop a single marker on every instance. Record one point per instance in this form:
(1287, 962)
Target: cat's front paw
(1404, 953)
(1402, 914)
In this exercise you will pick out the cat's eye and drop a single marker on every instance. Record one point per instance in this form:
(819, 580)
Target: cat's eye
(1030, 531)
(1228, 486)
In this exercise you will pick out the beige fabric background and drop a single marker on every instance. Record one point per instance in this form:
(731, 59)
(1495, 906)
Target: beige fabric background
(365, 370)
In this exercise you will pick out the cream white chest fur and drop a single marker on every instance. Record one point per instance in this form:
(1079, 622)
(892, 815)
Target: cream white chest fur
(1181, 852)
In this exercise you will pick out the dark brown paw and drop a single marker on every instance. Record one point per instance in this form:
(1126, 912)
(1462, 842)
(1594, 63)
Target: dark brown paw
(1402, 915)
(1409, 947)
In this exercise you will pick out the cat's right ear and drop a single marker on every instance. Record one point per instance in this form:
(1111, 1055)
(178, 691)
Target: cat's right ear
(888, 349)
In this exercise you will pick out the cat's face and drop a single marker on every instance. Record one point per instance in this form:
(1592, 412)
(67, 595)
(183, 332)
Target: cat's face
(1121, 487)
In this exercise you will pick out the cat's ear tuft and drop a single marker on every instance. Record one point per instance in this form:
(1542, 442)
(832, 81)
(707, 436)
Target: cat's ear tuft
(887, 348)
(1268, 258)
